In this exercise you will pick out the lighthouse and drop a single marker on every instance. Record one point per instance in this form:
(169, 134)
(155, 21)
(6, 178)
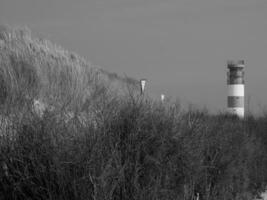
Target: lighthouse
(236, 88)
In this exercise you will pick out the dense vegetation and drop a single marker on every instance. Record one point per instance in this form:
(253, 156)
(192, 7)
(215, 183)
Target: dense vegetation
(91, 143)
(34, 68)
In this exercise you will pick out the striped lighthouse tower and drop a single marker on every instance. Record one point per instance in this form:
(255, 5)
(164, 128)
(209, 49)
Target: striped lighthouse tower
(236, 88)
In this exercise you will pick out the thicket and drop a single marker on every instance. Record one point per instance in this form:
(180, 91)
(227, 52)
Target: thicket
(138, 149)
(99, 145)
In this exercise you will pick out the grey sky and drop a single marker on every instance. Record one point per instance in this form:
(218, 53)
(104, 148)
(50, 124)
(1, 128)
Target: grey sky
(180, 46)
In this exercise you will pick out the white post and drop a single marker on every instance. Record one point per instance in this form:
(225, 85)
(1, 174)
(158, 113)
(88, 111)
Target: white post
(143, 84)
(162, 98)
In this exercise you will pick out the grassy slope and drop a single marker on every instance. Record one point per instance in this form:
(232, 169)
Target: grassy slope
(31, 67)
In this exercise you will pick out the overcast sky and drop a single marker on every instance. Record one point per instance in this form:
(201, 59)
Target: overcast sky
(180, 46)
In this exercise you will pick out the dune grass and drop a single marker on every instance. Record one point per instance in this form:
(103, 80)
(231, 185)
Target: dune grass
(34, 68)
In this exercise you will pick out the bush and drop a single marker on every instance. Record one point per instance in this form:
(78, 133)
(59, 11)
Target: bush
(139, 150)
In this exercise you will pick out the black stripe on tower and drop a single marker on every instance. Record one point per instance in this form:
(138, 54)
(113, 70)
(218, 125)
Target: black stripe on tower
(235, 77)
(236, 102)
(236, 81)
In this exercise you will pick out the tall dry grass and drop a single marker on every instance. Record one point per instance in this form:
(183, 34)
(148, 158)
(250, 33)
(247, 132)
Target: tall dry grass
(34, 68)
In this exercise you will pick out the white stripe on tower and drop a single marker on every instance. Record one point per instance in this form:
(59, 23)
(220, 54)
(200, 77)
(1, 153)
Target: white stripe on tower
(236, 88)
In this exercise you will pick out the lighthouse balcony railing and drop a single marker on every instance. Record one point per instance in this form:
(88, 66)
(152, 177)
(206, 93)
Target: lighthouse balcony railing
(237, 73)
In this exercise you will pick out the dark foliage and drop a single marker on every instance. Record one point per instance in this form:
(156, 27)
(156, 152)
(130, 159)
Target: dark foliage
(140, 150)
